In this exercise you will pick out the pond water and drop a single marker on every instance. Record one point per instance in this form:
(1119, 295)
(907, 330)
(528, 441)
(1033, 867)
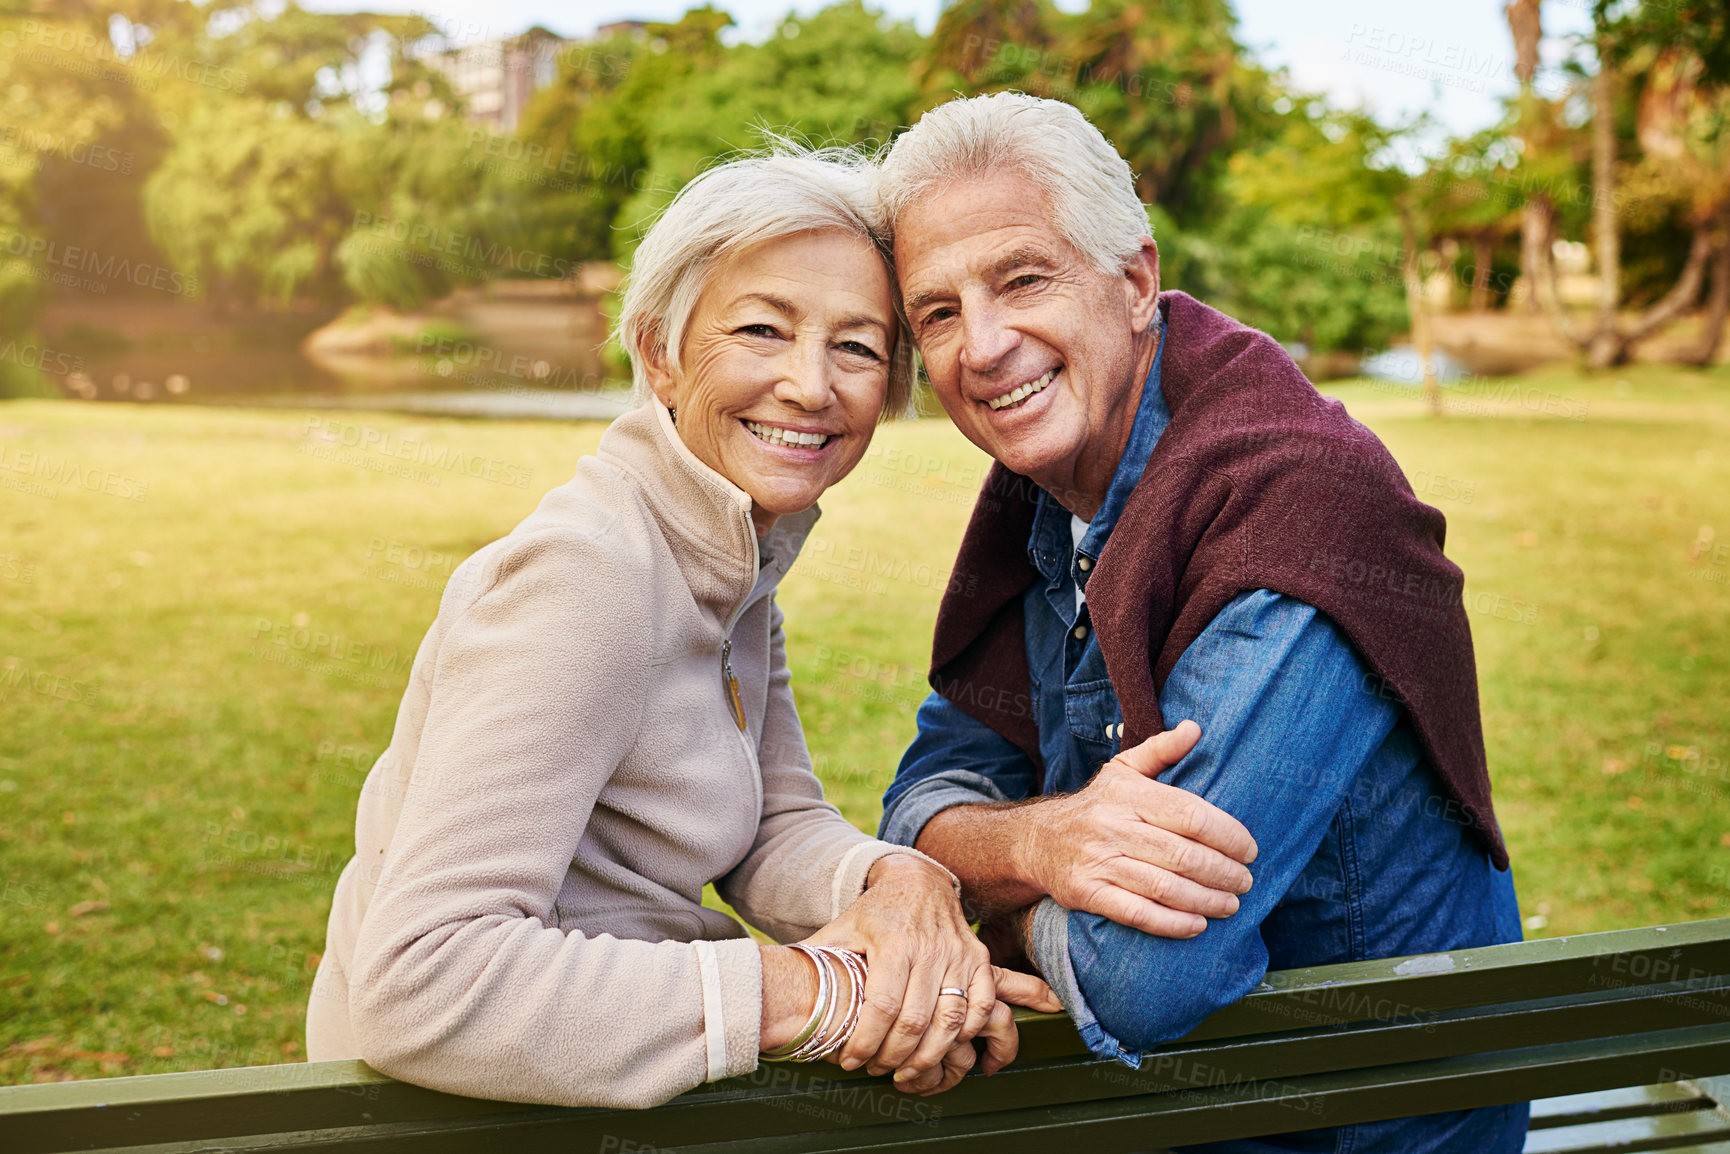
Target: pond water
(483, 353)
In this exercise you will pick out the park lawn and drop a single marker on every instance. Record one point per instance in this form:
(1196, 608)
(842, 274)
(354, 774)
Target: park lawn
(177, 789)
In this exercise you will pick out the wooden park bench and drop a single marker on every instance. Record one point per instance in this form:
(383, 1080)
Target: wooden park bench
(1645, 1008)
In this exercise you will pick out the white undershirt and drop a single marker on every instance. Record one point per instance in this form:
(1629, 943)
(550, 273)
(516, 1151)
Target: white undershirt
(1078, 530)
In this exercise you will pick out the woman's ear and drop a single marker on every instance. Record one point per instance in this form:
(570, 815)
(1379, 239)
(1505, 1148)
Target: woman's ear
(1141, 285)
(652, 355)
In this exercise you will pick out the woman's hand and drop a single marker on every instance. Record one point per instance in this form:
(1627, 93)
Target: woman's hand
(916, 941)
(1001, 1045)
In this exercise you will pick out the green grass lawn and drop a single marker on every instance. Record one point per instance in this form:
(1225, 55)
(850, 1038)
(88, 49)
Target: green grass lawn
(177, 788)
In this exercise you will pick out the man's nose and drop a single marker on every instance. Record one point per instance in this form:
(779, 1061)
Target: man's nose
(986, 337)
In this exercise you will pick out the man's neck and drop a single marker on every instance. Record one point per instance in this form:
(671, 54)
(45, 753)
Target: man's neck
(1081, 483)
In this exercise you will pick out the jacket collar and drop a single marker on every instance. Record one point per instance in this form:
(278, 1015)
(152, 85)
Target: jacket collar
(705, 518)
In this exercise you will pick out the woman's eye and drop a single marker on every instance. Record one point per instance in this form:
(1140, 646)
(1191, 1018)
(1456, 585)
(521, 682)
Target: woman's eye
(757, 330)
(860, 349)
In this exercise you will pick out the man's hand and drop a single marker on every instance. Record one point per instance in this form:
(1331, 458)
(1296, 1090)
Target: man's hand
(1136, 851)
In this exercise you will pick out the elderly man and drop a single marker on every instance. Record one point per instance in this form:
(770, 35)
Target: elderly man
(1180, 531)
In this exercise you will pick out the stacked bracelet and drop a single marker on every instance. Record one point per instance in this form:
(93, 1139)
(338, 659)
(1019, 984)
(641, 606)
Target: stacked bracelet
(822, 1034)
(817, 1007)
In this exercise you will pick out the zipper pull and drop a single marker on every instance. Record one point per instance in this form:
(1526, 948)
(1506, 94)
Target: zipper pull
(735, 702)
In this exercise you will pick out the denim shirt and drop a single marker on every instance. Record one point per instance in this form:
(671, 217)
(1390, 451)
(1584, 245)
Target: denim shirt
(1360, 854)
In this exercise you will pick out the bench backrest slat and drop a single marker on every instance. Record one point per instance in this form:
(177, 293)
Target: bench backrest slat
(1356, 1022)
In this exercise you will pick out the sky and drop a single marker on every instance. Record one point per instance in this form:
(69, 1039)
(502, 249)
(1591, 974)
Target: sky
(1396, 57)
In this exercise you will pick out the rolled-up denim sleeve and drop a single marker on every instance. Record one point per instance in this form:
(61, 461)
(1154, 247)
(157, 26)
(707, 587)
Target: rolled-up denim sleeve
(1286, 726)
(954, 760)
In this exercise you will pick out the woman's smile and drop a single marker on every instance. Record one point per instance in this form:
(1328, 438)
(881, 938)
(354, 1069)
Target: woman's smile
(809, 441)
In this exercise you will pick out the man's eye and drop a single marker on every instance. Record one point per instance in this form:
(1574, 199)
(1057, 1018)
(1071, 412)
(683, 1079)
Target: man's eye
(936, 316)
(1026, 280)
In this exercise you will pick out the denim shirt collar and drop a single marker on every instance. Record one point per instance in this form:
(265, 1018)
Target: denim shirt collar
(1049, 543)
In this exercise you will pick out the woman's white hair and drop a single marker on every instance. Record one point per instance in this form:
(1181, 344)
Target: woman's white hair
(733, 207)
(1087, 185)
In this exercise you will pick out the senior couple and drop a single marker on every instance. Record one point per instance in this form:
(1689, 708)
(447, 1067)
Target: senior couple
(1199, 709)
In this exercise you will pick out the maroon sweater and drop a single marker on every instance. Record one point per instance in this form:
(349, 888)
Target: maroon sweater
(1259, 482)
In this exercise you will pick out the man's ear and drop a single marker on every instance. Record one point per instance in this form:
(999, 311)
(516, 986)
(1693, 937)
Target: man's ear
(652, 355)
(1141, 284)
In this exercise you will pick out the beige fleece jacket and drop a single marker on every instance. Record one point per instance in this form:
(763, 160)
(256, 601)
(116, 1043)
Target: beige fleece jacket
(523, 915)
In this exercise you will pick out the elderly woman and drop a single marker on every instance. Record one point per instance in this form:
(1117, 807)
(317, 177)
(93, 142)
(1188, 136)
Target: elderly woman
(600, 723)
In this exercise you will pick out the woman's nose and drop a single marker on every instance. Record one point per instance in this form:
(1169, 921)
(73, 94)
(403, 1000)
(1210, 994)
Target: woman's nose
(805, 377)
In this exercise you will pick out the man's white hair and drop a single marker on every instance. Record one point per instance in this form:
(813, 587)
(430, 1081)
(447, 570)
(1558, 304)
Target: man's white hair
(734, 207)
(1087, 185)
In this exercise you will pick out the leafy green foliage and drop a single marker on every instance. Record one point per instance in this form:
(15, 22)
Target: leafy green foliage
(284, 155)
(247, 199)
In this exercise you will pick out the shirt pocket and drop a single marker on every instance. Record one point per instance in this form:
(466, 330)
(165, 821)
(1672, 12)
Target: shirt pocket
(1091, 712)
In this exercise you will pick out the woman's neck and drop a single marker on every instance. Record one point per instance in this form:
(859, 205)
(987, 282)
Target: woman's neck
(762, 520)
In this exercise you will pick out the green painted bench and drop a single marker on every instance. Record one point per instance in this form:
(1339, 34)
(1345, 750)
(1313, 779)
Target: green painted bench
(1315, 1047)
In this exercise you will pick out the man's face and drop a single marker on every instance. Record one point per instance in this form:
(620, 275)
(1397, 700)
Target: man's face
(1033, 352)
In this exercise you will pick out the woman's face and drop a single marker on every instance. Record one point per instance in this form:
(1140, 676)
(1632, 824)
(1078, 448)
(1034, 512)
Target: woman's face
(785, 368)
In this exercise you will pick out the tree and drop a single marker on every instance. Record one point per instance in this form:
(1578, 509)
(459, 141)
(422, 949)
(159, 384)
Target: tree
(1307, 241)
(1171, 87)
(1672, 62)
(1537, 219)
(1167, 83)
(247, 201)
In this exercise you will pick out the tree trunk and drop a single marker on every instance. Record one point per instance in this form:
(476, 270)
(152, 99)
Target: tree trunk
(1540, 224)
(1682, 294)
(1608, 345)
(1420, 314)
(1528, 29)
(1717, 311)
(1536, 218)
(1537, 224)
(1482, 253)
(1718, 299)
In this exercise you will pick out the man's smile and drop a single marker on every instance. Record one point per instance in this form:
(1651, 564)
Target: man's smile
(1019, 394)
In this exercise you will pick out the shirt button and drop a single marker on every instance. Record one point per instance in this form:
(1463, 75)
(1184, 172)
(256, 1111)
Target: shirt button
(1084, 563)
(1080, 632)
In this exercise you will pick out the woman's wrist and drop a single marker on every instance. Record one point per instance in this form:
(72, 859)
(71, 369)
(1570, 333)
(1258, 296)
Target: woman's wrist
(897, 867)
(789, 992)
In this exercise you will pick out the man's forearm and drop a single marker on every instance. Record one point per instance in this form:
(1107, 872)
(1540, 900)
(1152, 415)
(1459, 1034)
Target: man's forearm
(986, 847)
